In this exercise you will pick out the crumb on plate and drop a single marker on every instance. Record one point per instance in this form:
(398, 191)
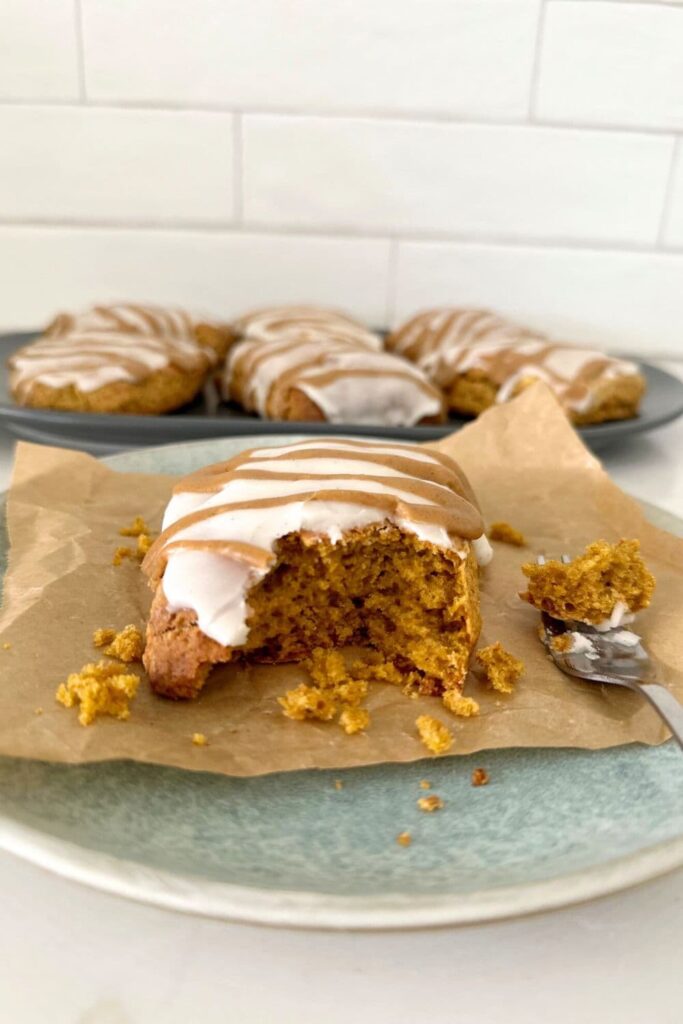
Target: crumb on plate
(99, 689)
(480, 777)
(434, 734)
(425, 784)
(506, 534)
(338, 784)
(430, 803)
(404, 839)
(500, 668)
(465, 707)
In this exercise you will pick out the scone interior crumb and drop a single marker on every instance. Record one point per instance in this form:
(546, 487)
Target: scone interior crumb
(480, 777)
(127, 645)
(199, 739)
(499, 668)
(430, 803)
(99, 689)
(590, 587)
(404, 839)
(436, 737)
(464, 707)
(135, 529)
(336, 691)
(506, 534)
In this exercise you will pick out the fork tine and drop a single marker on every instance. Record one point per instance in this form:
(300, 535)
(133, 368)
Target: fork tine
(540, 559)
(566, 559)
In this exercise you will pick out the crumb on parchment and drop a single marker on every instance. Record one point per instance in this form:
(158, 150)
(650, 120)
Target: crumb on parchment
(305, 702)
(336, 692)
(480, 777)
(104, 688)
(6, 646)
(354, 719)
(506, 534)
(434, 734)
(425, 784)
(135, 554)
(404, 839)
(430, 803)
(464, 707)
(127, 645)
(199, 739)
(500, 668)
(37, 711)
(136, 528)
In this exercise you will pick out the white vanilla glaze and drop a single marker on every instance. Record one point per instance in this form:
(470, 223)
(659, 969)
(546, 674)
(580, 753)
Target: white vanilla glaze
(347, 383)
(105, 345)
(448, 343)
(306, 323)
(222, 524)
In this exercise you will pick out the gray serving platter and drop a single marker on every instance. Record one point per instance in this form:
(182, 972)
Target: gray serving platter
(207, 417)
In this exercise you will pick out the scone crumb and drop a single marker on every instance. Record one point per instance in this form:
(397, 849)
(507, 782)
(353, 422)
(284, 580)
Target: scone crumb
(99, 689)
(127, 645)
(480, 777)
(500, 668)
(136, 554)
(562, 643)
(507, 534)
(6, 646)
(121, 553)
(404, 839)
(199, 739)
(464, 707)
(430, 803)
(143, 546)
(338, 784)
(306, 701)
(354, 719)
(434, 734)
(425, 784)
(37, 711)
(136, 528)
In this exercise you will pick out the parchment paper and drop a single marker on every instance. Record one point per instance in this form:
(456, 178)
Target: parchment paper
(527, 466)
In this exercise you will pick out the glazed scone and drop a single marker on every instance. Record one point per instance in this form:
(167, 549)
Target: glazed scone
(304, 323)
(319, 544)
(479, 359)
(117, 359)
(604, 587)
(332, 381)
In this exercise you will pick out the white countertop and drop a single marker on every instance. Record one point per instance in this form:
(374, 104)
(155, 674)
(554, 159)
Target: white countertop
(69, 955)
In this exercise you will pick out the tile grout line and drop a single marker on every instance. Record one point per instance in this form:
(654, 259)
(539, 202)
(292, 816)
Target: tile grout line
(669, 191)
(237, 168)
(536, 65)
(80, 49)
(333, 232)
(388, 116)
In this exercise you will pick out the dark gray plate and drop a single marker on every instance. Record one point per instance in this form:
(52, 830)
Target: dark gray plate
(207, 417)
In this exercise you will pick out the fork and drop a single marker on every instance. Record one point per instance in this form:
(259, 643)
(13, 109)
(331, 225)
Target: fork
(616, 656)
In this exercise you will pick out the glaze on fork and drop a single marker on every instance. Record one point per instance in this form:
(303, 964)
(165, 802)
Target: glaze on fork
(615, 656)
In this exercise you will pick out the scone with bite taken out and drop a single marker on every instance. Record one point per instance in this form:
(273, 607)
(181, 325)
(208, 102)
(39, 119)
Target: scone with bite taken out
(317, 545)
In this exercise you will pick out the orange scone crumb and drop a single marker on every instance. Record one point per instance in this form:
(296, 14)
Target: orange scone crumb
(305, 702)
(600, 585)
(430, 803)
(338, 784)
(506, 534)
(143, 545)
(465, 707)
(354, 720)
(480, 777)
(137, 527)
(127, 645)
(199, 739)
(434, 734)
(500, 668)
(425, 784)
(404, 839)
(562, 643)
(136, 554)
(99, 689)
(121, 553)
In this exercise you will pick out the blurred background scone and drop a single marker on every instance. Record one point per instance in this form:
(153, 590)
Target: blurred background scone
(478, 358)
(123, 358)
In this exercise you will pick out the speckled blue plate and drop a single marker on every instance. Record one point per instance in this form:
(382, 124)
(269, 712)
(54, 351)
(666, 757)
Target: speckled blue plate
(551, 828)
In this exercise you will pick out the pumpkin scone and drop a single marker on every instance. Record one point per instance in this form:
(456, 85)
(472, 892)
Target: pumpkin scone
(123, 358)
(320, 544)
(479, 359)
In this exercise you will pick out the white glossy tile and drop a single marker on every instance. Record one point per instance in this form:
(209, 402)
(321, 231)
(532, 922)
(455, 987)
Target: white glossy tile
(625, 301)
(518, 182)
(115, 164)
(38, 53)
(612, 63)
(468, 57)
(47, 269)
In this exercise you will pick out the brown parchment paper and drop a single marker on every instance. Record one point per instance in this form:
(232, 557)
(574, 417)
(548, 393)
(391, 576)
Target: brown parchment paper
(527, 466)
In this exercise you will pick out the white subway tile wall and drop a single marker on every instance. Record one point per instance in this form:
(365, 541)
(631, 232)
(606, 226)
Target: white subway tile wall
(382, 157)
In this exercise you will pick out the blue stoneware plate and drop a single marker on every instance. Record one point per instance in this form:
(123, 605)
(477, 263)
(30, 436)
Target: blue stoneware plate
(553, 827)
(206, 417)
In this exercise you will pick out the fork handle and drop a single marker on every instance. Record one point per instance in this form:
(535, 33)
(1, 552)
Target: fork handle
(665, 704)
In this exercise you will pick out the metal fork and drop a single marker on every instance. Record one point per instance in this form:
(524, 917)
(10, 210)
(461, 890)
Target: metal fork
(616, 656)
